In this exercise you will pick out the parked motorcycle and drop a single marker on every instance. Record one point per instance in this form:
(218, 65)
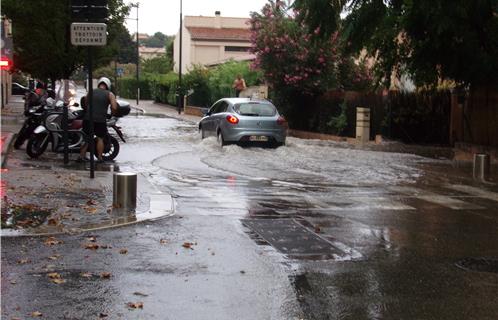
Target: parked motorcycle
(50, 131)
(34, 115)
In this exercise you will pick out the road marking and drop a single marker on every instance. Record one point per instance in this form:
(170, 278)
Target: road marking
(432, 197)
(481, 193)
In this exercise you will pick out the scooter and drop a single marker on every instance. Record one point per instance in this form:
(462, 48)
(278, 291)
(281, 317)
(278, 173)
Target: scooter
(51, 132)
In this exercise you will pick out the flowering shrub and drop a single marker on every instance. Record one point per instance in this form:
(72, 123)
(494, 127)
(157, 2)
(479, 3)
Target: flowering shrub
(298, 65)
(288, 55)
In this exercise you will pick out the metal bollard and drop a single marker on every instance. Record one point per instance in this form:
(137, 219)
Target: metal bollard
(481, 166)
(124, 190)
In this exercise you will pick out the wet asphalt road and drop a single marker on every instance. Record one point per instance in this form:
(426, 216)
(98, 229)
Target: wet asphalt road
(313, 230)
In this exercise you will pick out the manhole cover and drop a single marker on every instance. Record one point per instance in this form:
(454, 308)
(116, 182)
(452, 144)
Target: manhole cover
(290, 237)
(479, 264)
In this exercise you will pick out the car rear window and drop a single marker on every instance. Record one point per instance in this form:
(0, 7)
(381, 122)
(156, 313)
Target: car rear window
(255, 109)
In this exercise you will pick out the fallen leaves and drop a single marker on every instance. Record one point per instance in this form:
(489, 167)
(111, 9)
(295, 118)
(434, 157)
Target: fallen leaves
(36, 314)
(92, 246)
(123, 251)
(188, 245)
(163, 241)
(135, 305)
(105, 275)
(23, 261)
(91, 239)
(53, 222)
(52, 241)
(91, 210)
(54, 257)
(56, 278)
(86, 275)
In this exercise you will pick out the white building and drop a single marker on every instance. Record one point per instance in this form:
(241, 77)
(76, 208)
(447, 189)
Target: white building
(212, 40)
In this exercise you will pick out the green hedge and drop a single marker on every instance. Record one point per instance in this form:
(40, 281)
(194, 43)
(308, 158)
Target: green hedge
(127, 88)
(208, 85)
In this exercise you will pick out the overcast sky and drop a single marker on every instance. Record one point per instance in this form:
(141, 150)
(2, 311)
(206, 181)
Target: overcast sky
(164, 15)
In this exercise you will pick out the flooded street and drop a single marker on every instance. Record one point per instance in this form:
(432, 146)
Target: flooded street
(311, 230)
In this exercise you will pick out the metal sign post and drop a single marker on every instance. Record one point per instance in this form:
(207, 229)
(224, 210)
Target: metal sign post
(89, 35)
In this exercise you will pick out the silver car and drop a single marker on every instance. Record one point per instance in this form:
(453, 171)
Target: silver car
(244, 121)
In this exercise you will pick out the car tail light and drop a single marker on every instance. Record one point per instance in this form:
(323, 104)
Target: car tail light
(232, 119)
(281, 120)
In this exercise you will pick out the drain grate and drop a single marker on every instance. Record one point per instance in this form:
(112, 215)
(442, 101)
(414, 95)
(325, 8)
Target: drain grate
(479, 264)
(290, 237)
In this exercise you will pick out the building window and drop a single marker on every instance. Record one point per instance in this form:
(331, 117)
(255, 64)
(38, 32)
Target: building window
(236, 49)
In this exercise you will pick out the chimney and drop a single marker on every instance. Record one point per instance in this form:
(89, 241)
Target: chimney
(217, 19)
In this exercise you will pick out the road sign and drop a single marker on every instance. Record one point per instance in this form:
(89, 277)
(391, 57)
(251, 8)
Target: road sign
(120, 72)
(89, 10)
(88, 34)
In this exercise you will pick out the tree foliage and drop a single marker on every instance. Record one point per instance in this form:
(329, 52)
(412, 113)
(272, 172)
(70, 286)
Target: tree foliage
(158, 65)
(158, 40)
(298, 65)
(42, 45)
(432, 40)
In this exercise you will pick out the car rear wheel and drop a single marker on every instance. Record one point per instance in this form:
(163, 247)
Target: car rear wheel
(221, 141)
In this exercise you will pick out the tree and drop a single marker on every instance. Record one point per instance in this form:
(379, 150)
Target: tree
(158, 40)
(124, 46)
(432, 40)
(42, 45)
(158, 65)
(297, 65)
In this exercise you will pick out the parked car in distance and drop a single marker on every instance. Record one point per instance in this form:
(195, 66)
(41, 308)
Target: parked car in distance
(244, 121)
(19, 89)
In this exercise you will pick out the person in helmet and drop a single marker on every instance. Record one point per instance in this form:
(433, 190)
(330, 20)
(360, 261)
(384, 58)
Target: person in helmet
(102, 98)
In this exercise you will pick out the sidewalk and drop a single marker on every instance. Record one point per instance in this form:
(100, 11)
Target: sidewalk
(46, 196)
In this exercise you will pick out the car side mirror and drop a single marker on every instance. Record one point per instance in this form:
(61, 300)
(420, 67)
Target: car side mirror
(205, 111)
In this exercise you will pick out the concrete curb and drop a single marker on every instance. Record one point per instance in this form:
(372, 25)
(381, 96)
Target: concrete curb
(6, 146)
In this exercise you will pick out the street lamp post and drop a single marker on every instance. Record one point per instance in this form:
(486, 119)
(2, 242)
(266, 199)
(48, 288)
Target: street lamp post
(180, 92)
(136, 5)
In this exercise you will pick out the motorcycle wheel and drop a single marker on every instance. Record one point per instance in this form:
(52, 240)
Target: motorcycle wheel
(21, 137)
(37, 144)
(111, 149)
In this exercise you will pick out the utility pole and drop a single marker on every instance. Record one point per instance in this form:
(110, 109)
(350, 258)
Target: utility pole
(136, 5)
(180, 91)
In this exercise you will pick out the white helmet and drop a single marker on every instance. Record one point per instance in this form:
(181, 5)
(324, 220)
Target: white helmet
(105, 81)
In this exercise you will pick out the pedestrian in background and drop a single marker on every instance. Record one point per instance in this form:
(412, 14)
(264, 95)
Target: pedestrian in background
(239, 85)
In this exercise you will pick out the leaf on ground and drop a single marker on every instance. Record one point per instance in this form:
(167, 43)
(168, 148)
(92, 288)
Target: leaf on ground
(123, 251)
(58, 281)
(188, 245)
(135, 305)
(54, 257)
(91, 202)
(23, 261)
(140, 294)
(13, 282)
(51, 241)
(163, 241)
(36, 314)
(105, 275)
(86, 275)
(91, 239)
(91, 246)
(54, 275)
(103, 315)
(91, 210)
(52, 222)
(105, 246)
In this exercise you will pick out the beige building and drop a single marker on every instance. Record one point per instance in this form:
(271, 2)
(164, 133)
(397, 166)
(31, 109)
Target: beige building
(148, 53)
(212, 40)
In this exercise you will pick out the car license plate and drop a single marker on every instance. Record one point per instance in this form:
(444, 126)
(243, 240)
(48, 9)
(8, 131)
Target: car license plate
(258, 138)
